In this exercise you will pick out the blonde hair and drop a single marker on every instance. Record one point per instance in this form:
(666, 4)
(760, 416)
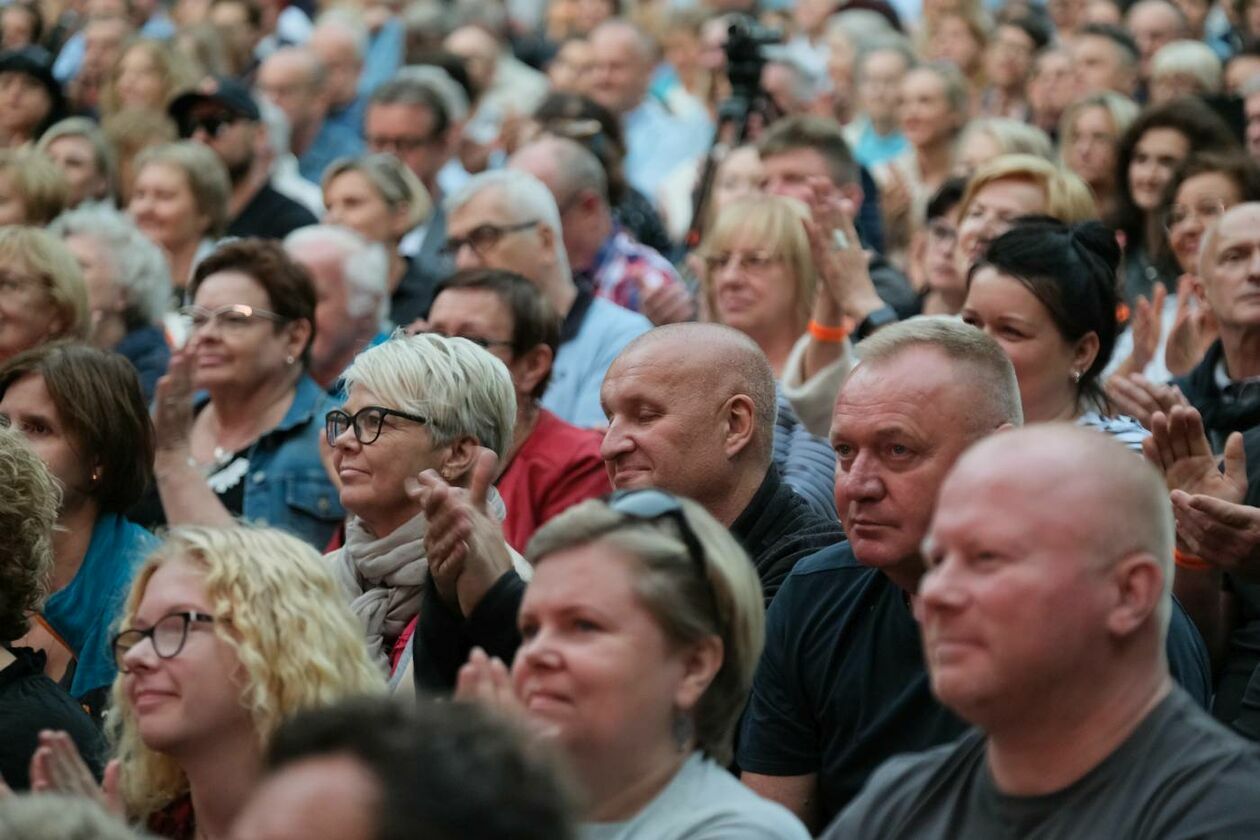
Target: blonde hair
(780, 223)
(1121, 109)
(42, 253)
(297, 642)
(177, 72)
(1068, 198)
(29, 500)
(682, 602)
(207, 177)
(42, 186)
(1012, 136)
(397, 185)
(1192, 58)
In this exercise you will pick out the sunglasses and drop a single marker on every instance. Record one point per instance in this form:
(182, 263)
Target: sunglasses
(212, 124)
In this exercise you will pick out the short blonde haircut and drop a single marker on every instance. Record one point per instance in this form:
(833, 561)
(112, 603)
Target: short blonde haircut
(1012, 136)
(1068, 198)
(1189, 58)
(681, 602)
(462, 389)
(396, 184)
(778, 223)
(43, 254)
(102, 153)
(298, 644)
(41, 185)
(1122, 110)
(206, 175)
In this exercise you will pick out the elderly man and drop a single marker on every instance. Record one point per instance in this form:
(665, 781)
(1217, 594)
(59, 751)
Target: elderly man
(340, 41)
(509, 220)
(1154, 24)
(294, 78)
(1043, 613)
(351, 296)
(842, 683)
(1106, 58)
(615, 264)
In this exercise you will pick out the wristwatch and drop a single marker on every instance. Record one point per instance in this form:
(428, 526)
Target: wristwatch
(881, 317)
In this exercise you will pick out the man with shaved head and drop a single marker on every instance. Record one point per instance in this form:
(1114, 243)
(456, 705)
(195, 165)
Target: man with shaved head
(1043, 611)
(691, 409)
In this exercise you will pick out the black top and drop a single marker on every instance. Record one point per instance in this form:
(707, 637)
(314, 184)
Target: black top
(271, 215)
(1180, 775)
(414, 295)
(1237, 700)
(1235, 408)
(30, 702)
(443, 639)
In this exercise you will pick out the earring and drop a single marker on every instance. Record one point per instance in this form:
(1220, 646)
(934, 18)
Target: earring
(1076, 376)
(289, 360)
(96, 476)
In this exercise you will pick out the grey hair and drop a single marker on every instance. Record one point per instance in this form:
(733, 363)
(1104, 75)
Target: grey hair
(726, 602)
(206, 175)
(65, 817)
(526, 198)
(276, 123)
(1193, 58)
(408, 84)
(364, 267)
(893, 42)
(957, 91)
(102, 151)
(343, 21)
(860, 25)
(979, 356)
(1015, 137)
(138, 267)
(576, 166)
(462, 389)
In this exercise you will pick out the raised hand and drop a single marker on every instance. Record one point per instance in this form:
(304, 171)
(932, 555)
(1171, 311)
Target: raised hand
(1185, 337)
(1138, 397)
(57, 767)
(1222, 533)
(666, 303)
(1179, 447)
(1147, 328)
(173, 402)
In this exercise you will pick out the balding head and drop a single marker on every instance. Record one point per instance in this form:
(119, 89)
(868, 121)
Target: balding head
(1229, 267)
(691, 409)
(292, 78)
(622, 68)
(565, 166)
(1154, 24)
(1050, 554)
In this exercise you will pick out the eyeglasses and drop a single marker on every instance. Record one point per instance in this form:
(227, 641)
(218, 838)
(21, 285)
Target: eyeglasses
(399, 144)
(231, 318)
(168, 635)
(751, 260)
(1205, 211)
(651, 505)
(367, 423)
(482, 238)
(483, 343)
(212, 124)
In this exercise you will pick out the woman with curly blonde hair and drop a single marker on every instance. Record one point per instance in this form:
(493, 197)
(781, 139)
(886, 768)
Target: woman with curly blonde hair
(226, 633)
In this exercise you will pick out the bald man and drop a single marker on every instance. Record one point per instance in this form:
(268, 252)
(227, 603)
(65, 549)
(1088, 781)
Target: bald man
(1154, 24)
(1043, 611)
(691, 409)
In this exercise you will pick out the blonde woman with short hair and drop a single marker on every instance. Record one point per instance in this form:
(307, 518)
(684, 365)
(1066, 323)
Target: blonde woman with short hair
(1089, 138)
(32, 189)
(42, 294)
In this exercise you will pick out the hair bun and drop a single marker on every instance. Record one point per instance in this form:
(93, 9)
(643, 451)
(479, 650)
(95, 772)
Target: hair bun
(1098, 240)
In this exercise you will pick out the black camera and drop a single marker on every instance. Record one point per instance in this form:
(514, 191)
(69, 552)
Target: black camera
(745, 55)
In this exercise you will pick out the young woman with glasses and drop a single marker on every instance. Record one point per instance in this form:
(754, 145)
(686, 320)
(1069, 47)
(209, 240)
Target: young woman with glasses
(225, 634)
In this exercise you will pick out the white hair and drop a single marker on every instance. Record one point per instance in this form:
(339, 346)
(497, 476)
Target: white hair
(364, 267)
(138, 267)
(1191, 58)
(440, 82)
(526, 197)
(346, 22)
(462, 389)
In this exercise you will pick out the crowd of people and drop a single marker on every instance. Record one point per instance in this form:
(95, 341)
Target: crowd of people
(584, 419)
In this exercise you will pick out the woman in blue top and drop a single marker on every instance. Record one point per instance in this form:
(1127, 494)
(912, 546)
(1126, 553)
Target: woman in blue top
(82, 412)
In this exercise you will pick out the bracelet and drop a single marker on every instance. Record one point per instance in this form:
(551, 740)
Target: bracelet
(831, 335)
(1189, 561)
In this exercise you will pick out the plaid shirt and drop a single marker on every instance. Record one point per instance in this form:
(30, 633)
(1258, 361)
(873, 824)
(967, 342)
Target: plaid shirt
(625, 267)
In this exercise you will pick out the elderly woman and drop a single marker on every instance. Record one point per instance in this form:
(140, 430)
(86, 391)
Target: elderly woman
(225, 634)
(148, 74)
(128, 287)
(415, 403)
(78, 147)
(1089, 134)
(381, 199)
(42, 294)
(639, 635)
(32, 189)
(1184, 68)
(180, 201)
(82, 412)
(29, 701)
(248, 443)
(989, 137)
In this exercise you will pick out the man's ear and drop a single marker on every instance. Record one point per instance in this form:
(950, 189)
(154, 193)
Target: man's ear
(740, 416)
(1139, 586)
(531, 367)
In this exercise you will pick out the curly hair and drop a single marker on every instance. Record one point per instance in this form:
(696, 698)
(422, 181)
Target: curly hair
(29, 501)
(298, 644)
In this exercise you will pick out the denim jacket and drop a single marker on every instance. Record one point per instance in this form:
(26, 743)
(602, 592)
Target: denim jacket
(287, 486)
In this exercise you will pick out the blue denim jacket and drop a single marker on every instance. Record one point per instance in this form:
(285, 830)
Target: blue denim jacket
(287, 486)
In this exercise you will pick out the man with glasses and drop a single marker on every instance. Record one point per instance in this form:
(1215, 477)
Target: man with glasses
(223, 116)
(509, 220)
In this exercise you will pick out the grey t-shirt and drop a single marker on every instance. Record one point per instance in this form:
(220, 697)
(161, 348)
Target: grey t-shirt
(1180, 775)
(703, 802)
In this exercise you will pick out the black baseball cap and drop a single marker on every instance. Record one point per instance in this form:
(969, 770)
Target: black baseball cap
(36, 63)
(219, 90)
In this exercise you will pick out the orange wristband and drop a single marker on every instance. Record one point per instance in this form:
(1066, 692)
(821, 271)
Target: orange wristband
(1189, 561)
(832, 335)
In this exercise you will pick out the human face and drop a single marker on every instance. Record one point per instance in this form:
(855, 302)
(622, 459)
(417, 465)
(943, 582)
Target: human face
(1092, 152)
(570, 70)
(29, 408)
(336, 330)
(1153, 26)
(353, 202)
(407, 132)
(619, 73)
(164, 208)
(752, 286)
(284, 79)
(75, 158)
(321, 797)
(1009, 57)
(954, 42)
(23, 103)
(595, 671)
(976, 148)
(138, 80)
(1196, 12)
(898, 427)
(925, 111)
(1099, 66)
(104, 296)
(1200, 200)
(1156, 156)
(1251, 108)
(27, 315)
(879, 86)
(192, 699)
(588, 14)
(991, 213)
(336, 51)
(740, 174)
(1231, 280)
(792, 172)
(940, 266)
(659, 433)
(1240, 69)
(1052, 86)
(529, 251)
(1043, 359)
(244, 356)
(18, 27)
(102, 43)
(479, 315)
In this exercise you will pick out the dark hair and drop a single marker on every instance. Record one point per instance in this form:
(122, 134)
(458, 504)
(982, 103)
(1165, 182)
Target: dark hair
(290, 292)
(584, 121)
(1071, 270)
(946, 197)
(36, 16)
(97, 396)
(1195, 121)
(817, 133)
(1116, 35)
(534, 321)
(1032, 25)
(448, 770)
(409, 91)
(1238, 167)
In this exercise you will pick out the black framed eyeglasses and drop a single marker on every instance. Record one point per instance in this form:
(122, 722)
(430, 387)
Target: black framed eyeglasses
(168, 635)
(650, 505)
(482, 237)
(483, 343)
(367, 423)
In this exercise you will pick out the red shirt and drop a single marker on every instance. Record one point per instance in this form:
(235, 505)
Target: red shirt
(557, 467)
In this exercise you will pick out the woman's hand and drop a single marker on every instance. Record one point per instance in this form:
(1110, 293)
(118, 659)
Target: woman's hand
(1147, 327)
(57, 767)
(173, 404)
(1138, 397)
(1179, 447)
(1185, 337)
(844, 278)
(667, 303)
(485, 680)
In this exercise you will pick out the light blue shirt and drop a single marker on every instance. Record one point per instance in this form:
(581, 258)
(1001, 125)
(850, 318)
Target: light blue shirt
(873, 148)
(582, 360)
(657, 141)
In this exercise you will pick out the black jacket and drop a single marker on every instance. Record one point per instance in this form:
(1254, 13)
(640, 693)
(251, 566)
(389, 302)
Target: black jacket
(1235, 409)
